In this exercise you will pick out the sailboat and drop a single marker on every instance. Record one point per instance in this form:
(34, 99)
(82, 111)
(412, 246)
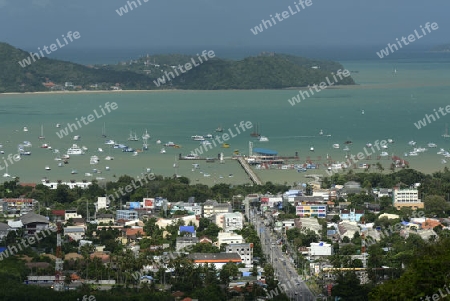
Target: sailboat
(104, 131)
(255, 133)
(446, 135)
(133, 138)
(42, 132)
(146, 135)
(219, 129)
(6, 174)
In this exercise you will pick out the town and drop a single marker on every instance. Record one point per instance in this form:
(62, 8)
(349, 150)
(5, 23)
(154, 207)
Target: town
(289, 243)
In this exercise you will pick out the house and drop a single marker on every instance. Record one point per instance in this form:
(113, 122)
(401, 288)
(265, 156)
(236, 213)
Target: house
(205, 240)
(191, 208)
(288, 224)
(348, 229)
(187, 231)
(217, 259)
(164, 222)
(185, 241)
(228, 238)
(245, 251)
(34, 223)
(75, 232)
(105, 218)
(4, 229)
(351, 215)
(407, 198)
(71, 213)
(132, 234)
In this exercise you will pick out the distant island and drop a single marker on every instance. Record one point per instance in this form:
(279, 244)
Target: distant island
(441, 48)
(265, 71)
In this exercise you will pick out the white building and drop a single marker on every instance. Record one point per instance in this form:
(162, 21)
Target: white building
(320, 249)
(54, 185)
(101, 203)
(245, 251)
(71, 213)
(230, 221)
(407, 198)
(229, 238)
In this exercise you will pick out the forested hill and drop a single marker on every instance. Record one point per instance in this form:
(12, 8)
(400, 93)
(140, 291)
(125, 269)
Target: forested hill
(265, 71)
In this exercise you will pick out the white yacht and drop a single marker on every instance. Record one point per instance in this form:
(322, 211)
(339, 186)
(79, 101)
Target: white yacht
(170, 143)
(390, 141)
(432, 145)
(336, 145)
(311, 148)
(384, 146)
(369, 144)
(412, 143)
(208, 136)
(443, 161)
(109, 158)
(93, 160)
(198, 138)
(346, 148)
(413, 153)
(158, 141)
(163, 150)
(75, 150)
(321, 133)
(110, 142)
(25, 129)
(100, 150)
(76, 137)
(191, 157)
(206, 142)
(441, 151)
(263, 139)
(47, 168)
(384, 154)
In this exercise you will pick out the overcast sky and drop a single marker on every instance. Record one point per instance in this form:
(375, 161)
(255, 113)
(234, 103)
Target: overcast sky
(29, 24)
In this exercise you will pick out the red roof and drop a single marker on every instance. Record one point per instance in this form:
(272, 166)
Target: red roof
(18, 200)
(133, 232)
(59, 212)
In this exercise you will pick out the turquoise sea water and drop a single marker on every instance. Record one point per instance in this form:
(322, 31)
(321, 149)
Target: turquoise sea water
(392, 102)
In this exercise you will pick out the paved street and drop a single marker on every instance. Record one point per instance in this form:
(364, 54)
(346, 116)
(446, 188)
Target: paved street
(284, 268)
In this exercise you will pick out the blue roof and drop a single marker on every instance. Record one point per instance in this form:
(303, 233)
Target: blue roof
(2, 249)
(265, 151)
(189, 229)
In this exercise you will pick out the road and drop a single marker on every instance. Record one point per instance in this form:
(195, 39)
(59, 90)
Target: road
(285, 271)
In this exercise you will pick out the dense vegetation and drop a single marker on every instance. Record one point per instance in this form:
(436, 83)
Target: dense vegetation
(14, 78)
(266, 71)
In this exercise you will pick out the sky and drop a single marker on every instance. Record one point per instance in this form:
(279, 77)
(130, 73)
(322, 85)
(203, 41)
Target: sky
(28, 24)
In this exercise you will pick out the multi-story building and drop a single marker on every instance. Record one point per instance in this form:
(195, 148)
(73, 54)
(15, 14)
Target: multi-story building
(18, 206)
(185, 241)
(228, 238)
(319, 211)
(407, 198)
(75, 232)
(229, 221)
(191, 208)
(245, 251)
(211, 208)
(126, 214)
(71, 213)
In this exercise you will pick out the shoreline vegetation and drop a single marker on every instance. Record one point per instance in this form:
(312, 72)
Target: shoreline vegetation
(266, 71)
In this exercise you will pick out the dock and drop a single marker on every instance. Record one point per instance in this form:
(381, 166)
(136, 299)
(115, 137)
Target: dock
(249, 171)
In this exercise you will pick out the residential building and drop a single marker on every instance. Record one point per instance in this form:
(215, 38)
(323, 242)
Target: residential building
(320, 249)
(348, 229)
(191, 208)
(319, 211)
(229, 238)
(34, 223)
(190, 219)
(407, 198)
(245, 251)
(351, 215)
(75, 232)
(270, 201)
(54, 185)
(105, 218)
(126, 214)
(230, 221)
(323, 193)
(288, 224)
(185, 241)
(187, 231)
(102, 203)
(71, 213)
(4, 229)
(217, 259)
(18, 206)
(211, 208)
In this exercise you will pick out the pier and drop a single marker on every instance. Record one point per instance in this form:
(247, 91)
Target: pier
(249, 171)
